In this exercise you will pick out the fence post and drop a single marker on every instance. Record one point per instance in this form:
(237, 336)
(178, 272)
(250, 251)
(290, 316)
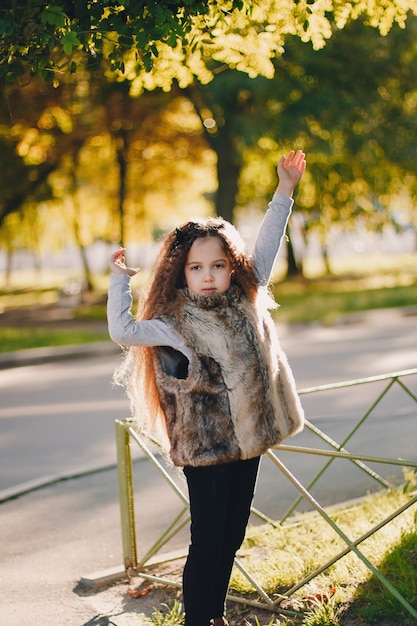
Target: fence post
(126, 498)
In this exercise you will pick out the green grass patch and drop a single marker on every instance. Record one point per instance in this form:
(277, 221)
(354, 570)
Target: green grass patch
(327, 300)
(13, 338)
(400, 567)
(279, 557)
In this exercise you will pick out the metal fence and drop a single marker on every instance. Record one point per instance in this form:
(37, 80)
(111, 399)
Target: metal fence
(334, 451)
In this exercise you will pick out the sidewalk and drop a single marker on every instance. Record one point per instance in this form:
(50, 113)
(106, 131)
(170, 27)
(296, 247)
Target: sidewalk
(60, 535)
(56, 543)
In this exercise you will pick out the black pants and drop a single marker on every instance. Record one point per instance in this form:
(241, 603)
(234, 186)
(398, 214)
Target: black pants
(220, 501)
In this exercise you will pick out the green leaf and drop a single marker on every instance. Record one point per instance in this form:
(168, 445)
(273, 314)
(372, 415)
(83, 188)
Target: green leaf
(70, 41)
(6, 28)
(54, 16)
(147, 61)
(172, 40)
(142, 40)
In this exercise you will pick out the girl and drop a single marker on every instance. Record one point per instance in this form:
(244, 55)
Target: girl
(205, 370)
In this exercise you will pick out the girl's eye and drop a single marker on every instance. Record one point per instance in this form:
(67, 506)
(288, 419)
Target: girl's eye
(219, 265)
(194, 267)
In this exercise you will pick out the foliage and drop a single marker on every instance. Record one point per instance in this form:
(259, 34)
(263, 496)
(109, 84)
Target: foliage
(357, 123)
(170, 616)
(100, 155)
(82, 133)
(46, 39)
(43, 36)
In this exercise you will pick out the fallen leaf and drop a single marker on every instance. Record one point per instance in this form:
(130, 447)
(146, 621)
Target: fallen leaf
(322, 597)
(138, 593)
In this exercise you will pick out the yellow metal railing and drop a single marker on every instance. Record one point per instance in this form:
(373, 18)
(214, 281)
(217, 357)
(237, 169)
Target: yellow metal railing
(125, 434)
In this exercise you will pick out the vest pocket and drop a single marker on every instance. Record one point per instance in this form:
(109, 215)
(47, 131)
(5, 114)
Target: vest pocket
(173, 362)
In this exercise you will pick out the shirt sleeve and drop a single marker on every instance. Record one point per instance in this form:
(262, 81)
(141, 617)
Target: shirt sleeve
(125, 331)
(270, 235)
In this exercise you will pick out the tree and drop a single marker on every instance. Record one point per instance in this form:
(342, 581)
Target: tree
(256, 87)
(42, 38)
(47, 39)
(354, 106)
(351, 106)
(33, 140)
(159, 150)
(120, 166)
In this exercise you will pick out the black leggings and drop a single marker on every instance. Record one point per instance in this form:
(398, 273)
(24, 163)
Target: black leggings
(220, 501)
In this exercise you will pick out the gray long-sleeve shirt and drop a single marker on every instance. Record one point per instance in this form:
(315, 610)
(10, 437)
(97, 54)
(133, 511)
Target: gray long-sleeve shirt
(125, 331)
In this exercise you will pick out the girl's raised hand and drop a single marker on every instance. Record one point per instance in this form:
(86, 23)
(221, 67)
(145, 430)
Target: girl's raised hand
(118, 264)
(290, 170)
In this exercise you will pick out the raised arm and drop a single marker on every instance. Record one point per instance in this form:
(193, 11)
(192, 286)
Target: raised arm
(272, 230)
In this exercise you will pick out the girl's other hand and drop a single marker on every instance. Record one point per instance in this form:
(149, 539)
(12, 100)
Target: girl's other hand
(118, 264)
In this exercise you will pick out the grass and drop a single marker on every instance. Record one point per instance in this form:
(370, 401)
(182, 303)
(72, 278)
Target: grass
(328, 299)
(279, 557)
(13, 338)
(345, 593)
(400, 566)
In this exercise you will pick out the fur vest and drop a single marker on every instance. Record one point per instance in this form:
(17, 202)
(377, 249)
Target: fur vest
(238, 397)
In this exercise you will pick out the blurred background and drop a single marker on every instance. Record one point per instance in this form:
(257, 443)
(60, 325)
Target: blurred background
(97, 155)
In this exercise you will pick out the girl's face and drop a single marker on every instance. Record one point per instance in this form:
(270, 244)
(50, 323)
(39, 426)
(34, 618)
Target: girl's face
(208, 269)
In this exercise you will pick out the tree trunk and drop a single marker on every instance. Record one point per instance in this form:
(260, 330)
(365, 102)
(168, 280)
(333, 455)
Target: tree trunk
(229, 159)
(228, 171)
(292, 267)
(121, 152)
(326, 258)
(9, 265)
(89, 285)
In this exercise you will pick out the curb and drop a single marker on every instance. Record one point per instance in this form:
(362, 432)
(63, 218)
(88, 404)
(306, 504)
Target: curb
(21, 489)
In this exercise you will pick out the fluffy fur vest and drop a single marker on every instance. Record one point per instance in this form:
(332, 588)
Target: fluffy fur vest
(239, 397)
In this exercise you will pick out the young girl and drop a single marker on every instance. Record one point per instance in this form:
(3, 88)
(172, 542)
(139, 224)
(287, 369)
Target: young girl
(205, 370)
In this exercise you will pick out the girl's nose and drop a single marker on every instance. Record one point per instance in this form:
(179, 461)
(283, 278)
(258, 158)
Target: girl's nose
(208, 276)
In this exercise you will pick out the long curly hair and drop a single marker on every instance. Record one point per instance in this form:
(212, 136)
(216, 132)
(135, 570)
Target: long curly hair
(136, 372)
